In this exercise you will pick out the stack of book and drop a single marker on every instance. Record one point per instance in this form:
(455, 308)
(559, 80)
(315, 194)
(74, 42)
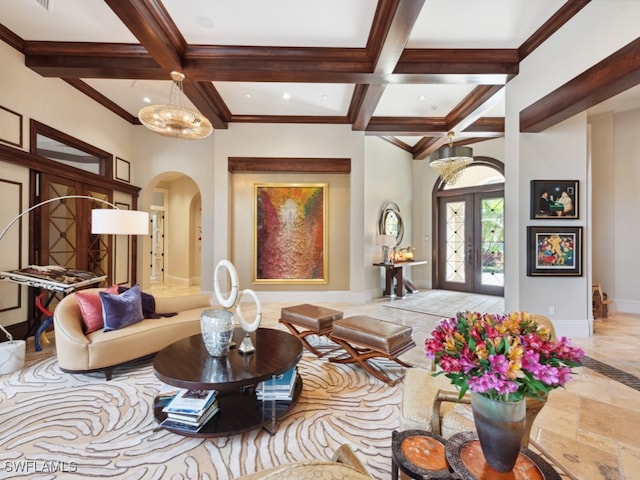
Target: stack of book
(280, 387)
(190, 410)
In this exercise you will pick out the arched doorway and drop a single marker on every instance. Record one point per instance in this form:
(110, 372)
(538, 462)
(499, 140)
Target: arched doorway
(469, 230)
(173, 246)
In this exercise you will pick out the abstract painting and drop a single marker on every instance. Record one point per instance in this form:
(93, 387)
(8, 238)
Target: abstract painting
(290, 233)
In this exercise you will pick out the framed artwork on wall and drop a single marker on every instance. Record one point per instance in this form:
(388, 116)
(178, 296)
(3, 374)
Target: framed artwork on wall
(290, 238)
(554, 251)
(554, 199)
(123, 170)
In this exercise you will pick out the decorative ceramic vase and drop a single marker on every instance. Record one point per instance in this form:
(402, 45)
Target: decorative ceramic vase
(500, 426)
(217, 329)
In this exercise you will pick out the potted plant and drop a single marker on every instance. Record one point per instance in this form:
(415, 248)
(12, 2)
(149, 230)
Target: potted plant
(502, 360)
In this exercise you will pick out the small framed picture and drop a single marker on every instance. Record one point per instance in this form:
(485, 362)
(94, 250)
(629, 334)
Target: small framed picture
(554, 199)
(554, 251)
(123, 170)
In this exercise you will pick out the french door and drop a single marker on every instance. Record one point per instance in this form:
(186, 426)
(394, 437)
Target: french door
(470, 246)
(65, 227)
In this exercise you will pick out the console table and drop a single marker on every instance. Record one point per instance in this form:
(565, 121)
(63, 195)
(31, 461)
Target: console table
(187, 364)
(396, 271)
(50, 277)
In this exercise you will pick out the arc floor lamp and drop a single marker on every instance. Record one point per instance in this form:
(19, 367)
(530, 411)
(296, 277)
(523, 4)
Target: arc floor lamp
(111, 221)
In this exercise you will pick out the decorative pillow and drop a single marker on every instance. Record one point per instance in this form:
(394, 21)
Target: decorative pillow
(122, 310)
(91, 308)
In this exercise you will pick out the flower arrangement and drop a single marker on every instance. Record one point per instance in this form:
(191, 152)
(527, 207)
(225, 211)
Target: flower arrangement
(503, 357)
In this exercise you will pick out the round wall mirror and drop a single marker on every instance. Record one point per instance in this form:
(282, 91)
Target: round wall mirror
(390, 222)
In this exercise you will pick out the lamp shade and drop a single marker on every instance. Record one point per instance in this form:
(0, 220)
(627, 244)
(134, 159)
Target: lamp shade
(450, 153)
(109, 221)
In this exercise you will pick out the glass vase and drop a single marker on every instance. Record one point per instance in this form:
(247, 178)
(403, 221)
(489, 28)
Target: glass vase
(500, 426)
(217, 327)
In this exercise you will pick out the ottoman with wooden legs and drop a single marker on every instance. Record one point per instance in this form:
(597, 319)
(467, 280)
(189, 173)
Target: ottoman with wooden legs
(306, 319)
(366, 337)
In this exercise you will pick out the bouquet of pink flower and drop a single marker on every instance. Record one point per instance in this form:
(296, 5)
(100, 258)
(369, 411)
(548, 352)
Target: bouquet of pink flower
(504, 357)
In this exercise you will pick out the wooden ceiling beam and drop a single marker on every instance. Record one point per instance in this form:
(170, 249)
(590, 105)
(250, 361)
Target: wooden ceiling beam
(304, 65)
(151, 24)
(392, 25)
(289, 164)
(552, 25)
(425, 146)
(410, 126)
(472, 107)
(609, 77)
(91, 60)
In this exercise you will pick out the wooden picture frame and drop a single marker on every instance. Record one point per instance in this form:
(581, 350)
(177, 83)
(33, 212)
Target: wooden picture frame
(10, 127)
(290, 233)
(123, 170)
(554, 199)
(554, 251)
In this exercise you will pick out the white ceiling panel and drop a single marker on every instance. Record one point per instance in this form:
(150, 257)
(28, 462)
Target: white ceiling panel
(420, 100)
(479, 23)
(303, 23)
(245, 98)
(65, 21)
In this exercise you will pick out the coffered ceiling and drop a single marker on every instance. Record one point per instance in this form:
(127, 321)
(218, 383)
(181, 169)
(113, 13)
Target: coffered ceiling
(406, 70)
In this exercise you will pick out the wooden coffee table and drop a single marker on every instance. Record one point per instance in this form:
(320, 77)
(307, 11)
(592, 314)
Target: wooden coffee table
(187, 364)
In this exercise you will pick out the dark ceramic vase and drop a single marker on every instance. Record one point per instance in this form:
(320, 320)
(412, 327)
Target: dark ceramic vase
(500, 426)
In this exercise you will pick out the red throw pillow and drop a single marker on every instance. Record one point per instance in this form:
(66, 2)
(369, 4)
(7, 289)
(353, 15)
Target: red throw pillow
(91, 308)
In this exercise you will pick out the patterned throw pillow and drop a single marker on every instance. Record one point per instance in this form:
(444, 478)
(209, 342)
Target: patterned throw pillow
(122, 310)
(91, 308)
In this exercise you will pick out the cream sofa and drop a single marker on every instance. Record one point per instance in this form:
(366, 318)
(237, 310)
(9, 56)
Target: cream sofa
(79, 352)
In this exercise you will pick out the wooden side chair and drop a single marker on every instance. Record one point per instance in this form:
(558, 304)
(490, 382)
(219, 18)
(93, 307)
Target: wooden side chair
(600, 302)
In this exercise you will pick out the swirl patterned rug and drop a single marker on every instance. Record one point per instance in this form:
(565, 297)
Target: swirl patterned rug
(81, 426)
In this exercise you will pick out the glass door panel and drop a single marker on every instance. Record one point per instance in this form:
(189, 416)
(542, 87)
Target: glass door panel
(456, 229)
(455, 240)
(490, 244)
(471, 242)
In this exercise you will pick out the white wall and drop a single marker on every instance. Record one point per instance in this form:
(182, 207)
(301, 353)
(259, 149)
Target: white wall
(388, 173)
(560, 152)
(330, 141)
(626, 261)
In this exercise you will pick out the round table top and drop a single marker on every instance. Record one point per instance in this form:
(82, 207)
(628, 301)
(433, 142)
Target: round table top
(420, 454)
(187, 364)
(465, 457)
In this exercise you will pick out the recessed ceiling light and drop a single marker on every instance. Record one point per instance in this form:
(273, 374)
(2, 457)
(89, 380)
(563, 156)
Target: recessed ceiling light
(422, 98)
(247, 95)
(286, 96)
(146, 100)
(204, 22)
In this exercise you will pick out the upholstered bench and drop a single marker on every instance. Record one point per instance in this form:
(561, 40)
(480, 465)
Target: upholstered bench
(366, 337)
(306, 319)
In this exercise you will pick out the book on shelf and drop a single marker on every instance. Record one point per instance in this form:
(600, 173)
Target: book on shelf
(191, 402)
(280, 387)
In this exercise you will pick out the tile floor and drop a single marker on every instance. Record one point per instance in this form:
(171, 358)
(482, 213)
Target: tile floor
(591, 426)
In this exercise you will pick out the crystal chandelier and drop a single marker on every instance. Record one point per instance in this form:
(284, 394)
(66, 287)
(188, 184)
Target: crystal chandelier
(175, 118)
(450, 161)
